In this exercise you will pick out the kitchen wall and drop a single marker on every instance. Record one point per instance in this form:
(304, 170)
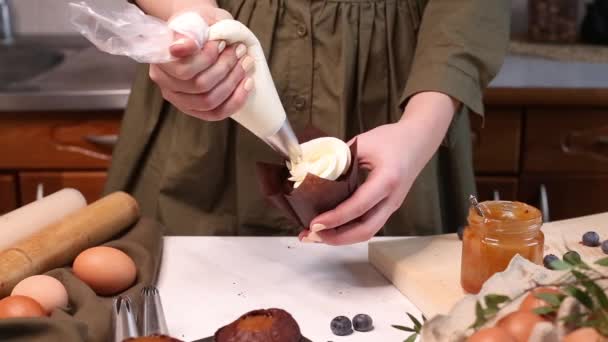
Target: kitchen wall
(41, 16)
(51, 16)
(44, 16)
(519, 15)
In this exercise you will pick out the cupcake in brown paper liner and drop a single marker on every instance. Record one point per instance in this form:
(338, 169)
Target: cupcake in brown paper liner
(314, 195)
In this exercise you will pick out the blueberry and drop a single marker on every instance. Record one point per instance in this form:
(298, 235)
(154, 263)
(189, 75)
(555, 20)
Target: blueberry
(460, 232)
(341, 326)
(591, 239)
(363, 322)
(548, 259)
(605, 246)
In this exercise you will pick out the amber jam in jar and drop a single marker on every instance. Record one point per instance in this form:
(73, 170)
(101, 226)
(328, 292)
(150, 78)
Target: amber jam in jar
(489, 243)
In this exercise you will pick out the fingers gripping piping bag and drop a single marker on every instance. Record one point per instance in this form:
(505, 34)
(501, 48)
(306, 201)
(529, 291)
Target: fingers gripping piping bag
(126, 30)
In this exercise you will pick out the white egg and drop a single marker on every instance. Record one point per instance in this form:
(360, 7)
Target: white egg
(46, 290)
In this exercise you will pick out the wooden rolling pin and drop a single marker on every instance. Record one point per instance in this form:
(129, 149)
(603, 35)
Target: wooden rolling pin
(59, 243)
(27, 220)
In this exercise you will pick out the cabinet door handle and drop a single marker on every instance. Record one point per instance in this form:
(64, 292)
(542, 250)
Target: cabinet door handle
(593, 143)
(474, 138)
(602, 139)
(39, 191)
(108, 140)
(496, 195)
(544, 203)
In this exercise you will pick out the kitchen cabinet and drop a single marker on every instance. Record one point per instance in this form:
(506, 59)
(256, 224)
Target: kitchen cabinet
(490, 187)
(78, 140)
(496, 145)
(497, 150)
(533, 142)
(8, 193)
(55, 150)
(566, 140)
(566, 195)
(546, 147)
(89, 183)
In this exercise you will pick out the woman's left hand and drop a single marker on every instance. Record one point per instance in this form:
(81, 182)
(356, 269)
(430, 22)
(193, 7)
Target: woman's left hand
(384, 152)
(394, 154)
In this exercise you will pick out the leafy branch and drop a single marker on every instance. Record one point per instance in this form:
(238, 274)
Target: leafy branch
(415, 330)
(554, 301)
(493, 304)
(580, 283)
(577, 283)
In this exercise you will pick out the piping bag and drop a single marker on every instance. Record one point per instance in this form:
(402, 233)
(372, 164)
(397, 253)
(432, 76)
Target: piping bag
(125, 30)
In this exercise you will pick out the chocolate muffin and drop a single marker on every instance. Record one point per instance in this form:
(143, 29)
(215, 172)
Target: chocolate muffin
(314, 196)
(271, 325)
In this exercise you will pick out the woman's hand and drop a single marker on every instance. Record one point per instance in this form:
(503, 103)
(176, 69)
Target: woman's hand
(209, 83)
(394, 154)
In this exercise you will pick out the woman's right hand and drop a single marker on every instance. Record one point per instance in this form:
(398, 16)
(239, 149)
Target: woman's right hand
(209, 83)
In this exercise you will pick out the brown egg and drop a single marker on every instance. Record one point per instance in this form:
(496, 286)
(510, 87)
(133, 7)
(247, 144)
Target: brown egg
(493, 334)
(531, 302)
(106, 270)
(519, 324)
(20, 306)
(584, 335)
(46, 290)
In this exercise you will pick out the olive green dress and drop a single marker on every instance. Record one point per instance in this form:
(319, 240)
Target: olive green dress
(345, 66)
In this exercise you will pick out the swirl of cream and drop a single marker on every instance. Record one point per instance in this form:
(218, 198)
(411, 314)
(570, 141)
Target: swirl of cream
(325, 157)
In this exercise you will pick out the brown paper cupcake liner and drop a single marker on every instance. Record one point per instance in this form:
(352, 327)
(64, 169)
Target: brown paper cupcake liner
(315, 195)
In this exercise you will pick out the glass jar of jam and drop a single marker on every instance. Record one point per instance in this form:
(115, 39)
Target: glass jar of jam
(490, 242)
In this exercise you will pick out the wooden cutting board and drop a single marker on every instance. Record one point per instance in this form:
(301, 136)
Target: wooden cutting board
(427, 269)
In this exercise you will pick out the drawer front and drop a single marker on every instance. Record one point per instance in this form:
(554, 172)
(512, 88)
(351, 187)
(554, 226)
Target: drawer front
(57, 140)
(8, 193)
(504, 187)
(496, 146)
(567, 196)
(89, 183)
(566, 141)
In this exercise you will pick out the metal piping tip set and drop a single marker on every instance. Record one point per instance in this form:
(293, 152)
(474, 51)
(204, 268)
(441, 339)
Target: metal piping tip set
(150, 319)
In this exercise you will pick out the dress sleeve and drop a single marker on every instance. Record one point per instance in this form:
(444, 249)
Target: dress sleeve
(461, 46)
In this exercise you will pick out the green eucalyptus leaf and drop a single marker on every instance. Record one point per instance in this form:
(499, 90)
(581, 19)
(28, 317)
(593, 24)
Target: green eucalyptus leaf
(559, 265)
(576, 320)
(412, 338)
(492, 307)
(573, 258)
(479, 312)
(553, 299)
(416, 322)
(401, 327)
(545, 310)
(584, 323)
(581, 296)
(493, 300)
(580, 276)
(602, 325)
(490, 312)
(480, 317)
(602, 262)
(598, 293)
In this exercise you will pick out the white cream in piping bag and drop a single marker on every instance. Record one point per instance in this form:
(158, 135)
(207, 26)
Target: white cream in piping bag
(263, 114)
(128, 31)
